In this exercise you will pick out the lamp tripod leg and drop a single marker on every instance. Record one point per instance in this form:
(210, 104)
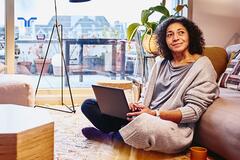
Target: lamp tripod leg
(44, 61)
(63, 64)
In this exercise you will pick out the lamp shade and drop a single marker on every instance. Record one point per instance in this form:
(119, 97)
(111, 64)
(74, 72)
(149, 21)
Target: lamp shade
(78, 1)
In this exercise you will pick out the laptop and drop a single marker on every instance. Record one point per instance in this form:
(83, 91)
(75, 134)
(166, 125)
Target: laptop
(111, 101)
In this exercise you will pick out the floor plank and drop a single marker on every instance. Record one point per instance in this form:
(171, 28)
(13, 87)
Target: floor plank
(124, 152)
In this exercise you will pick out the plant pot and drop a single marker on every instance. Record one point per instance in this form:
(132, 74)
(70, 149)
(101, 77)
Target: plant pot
(39, 64)
(24, 67)
(150, 44)
(27, 64)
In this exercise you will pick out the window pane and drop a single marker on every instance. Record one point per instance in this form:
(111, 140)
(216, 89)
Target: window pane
(2, 31)
(94, 39)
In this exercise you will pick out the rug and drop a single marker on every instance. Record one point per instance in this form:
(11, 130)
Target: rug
(70, 144)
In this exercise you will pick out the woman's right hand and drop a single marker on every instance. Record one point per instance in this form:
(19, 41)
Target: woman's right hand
(135, 106)
(137, 109)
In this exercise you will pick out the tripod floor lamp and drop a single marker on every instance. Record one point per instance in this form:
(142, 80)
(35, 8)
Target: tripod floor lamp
(59, 28)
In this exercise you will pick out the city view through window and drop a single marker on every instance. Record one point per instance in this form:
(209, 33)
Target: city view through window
(93, 33)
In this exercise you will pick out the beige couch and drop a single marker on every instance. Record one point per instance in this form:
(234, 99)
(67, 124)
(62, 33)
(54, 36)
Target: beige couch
(219, 127)
(16, 89)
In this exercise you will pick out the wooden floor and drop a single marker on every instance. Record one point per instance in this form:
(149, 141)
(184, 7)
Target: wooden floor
(125, 152)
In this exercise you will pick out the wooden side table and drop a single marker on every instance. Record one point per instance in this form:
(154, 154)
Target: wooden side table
(122, 84)
(126, 85)
(25, 133)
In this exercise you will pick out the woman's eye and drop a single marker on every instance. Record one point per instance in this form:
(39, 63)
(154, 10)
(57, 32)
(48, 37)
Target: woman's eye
(181, 32)
(169, 35)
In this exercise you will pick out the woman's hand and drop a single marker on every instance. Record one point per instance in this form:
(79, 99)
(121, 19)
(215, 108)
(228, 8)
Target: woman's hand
(138, 109)
(135, 106)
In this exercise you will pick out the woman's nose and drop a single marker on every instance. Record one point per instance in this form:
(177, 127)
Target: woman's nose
(175, 37)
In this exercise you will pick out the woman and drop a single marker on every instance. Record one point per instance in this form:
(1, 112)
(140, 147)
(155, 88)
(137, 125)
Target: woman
(179, 90)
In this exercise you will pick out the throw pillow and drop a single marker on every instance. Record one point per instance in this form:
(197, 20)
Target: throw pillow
(231, 77)
(2, 67)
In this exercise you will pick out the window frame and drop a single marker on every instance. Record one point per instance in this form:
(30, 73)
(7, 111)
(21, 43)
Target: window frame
(9, 36)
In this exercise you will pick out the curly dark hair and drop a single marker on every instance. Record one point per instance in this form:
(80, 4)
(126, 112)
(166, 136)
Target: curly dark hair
(196, 40)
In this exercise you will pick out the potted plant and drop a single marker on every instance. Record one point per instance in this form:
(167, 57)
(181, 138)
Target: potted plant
(40, 60)
(148, 38)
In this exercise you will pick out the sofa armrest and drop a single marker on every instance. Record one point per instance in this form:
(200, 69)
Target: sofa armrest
(218, 57)
(20, 93)
(219, 127)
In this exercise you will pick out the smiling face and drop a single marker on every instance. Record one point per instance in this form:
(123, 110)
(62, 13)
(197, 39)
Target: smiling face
(177, 38)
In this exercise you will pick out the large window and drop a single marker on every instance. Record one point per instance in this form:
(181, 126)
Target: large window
(94, 39)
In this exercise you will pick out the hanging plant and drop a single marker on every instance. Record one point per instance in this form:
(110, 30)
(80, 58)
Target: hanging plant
(148, 38)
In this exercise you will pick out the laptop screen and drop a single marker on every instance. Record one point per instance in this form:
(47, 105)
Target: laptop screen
(111, 101)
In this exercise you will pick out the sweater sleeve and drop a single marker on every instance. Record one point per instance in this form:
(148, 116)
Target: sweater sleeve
(197, 100)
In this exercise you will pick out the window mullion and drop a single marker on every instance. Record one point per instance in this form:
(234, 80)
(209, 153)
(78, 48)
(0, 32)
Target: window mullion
(9, 34)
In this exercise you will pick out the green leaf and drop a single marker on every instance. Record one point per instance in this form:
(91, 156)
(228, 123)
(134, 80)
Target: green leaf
(152, 25)
(131, 30)
(144, 15)
(161, 9)
(144, 35)
(163, 18)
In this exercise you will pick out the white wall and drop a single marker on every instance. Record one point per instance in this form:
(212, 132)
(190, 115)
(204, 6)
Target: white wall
(219, 20)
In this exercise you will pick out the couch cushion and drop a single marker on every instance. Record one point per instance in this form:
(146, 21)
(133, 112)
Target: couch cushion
(232, 48)
(231, 77)
(16, 93)
(16, 89)
(219, 127)
(218, 57)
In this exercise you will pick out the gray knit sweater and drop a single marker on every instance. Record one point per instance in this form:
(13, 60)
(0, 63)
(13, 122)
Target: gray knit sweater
(192, 97)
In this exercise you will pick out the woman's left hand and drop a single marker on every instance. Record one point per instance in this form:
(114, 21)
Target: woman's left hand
(141, 109)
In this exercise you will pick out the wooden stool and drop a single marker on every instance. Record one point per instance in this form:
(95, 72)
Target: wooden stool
(25, 133)
(122, 84)
(126, 85)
